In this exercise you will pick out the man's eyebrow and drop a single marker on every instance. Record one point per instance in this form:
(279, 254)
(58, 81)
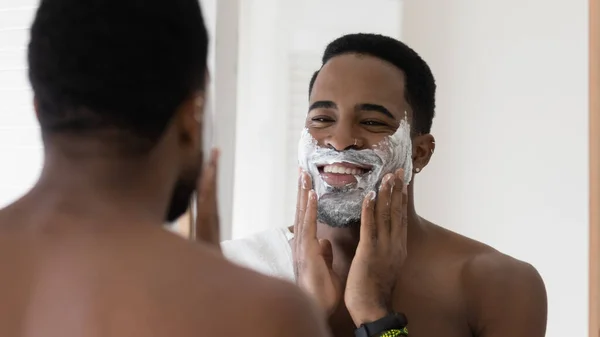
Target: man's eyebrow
(374, 107)
(322, 105)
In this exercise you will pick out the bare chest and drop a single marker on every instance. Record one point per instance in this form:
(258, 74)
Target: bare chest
(431, 299)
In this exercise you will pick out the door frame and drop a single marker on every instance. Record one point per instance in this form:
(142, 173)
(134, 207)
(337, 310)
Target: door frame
(594, 130)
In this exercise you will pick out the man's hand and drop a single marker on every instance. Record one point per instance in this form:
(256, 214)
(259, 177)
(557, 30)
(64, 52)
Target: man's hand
(207, 219)
(381, 251)
(313, 257)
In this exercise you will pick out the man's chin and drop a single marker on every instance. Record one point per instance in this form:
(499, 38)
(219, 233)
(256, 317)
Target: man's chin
(339, 212)
(337, 221)
(343, 195)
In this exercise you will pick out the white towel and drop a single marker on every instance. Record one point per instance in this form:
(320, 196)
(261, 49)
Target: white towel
(267, 252)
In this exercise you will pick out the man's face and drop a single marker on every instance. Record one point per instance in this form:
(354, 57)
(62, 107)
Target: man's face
(357, 130)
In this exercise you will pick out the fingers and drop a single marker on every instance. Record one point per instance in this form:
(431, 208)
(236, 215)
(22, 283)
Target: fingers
(304, 185)
(299, 213)
(309, 224)
(207, 224)
(206, 200)
(397, 207)
(404, 224)
(208, 182)
(383, 207)
(326, 252)
(387, 215)
(368, 226)
(298, 199)
(305, 232)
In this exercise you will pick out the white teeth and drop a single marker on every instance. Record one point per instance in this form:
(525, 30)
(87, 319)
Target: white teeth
(338, 169)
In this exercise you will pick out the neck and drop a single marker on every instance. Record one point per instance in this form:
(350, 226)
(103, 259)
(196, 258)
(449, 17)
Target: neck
(345, 240)
(104, 187)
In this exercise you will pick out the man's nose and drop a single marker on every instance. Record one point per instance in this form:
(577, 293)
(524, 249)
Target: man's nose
(341, 141)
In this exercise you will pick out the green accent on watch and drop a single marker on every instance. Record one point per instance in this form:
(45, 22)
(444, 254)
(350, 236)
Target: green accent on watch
(396, 332)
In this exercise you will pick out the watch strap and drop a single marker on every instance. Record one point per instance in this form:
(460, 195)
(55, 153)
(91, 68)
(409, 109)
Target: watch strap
(394, 321)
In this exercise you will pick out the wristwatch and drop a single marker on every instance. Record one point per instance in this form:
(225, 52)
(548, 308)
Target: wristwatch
(393, 321)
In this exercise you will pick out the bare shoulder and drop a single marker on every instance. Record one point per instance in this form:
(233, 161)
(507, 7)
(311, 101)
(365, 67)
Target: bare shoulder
(485, 268)
(265, 306)
(189, 286)
(503, 273)
(281, 309)
(501, 289)
(481, 260)
(503, 295)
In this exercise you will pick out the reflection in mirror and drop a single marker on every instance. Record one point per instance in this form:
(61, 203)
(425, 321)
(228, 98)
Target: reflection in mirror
(510, 155)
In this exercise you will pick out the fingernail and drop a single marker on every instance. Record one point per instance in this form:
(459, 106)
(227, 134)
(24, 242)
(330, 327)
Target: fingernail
(386, 181)
(304, 182)
(391, 181)
(312, 195)
(371, 196)
(400, 173)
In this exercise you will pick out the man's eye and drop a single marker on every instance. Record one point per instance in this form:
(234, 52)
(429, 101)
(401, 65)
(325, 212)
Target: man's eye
(321, 120)
(373, 123)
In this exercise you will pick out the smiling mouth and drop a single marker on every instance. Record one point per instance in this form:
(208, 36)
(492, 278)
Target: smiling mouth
(342, 174)
(343, 168)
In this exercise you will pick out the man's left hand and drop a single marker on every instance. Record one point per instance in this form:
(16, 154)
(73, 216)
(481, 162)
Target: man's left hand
(381, 251)
(207, 219)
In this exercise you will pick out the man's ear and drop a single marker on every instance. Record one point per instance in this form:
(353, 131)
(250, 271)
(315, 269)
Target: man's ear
(188, 120)
(423, 149)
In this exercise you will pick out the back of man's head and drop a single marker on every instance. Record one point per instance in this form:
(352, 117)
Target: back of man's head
(115, 65)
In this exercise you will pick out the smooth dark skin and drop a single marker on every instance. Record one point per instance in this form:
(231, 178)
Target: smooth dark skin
(84, 252)
(449, 285)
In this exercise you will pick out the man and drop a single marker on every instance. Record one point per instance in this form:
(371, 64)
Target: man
(119, 93)
(365, 258)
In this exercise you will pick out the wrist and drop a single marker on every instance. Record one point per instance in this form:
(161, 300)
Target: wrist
(368, 315)
(393, 324)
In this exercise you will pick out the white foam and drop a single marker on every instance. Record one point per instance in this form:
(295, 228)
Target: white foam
(392, 153)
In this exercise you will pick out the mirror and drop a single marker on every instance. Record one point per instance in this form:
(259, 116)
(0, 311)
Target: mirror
(517, 126)
(512, 118)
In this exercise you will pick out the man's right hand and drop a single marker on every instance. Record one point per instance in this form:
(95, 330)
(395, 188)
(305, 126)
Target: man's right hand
(313, 258)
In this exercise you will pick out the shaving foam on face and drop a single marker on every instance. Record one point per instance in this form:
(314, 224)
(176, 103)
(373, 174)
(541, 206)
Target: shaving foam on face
(396, 150)
(341, 206)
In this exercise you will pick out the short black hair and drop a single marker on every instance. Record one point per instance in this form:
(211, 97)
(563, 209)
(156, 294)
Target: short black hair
(123, 65)
(420, 83)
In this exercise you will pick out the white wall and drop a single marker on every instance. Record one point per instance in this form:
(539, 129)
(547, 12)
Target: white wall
(21, 152)
(222, 17)
(511, 165)
(261, 114)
